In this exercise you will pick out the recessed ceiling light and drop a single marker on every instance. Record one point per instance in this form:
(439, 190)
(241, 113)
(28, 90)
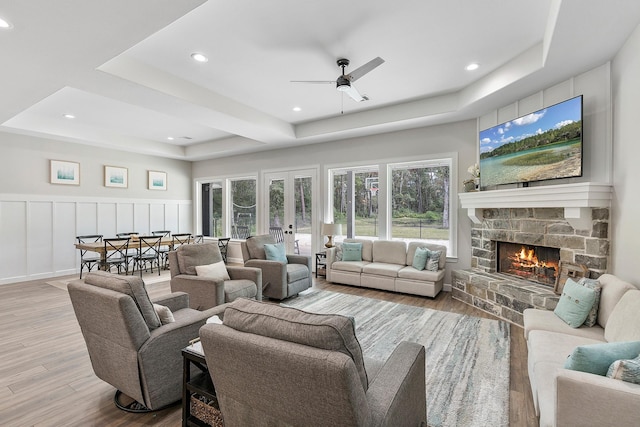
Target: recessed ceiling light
(170, 138)
(199, 57)
(472, 66)
(296, 109)
(5, 24)
(69, 116)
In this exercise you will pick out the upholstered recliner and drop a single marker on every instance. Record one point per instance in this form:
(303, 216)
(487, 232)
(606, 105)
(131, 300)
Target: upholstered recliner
(208, 291)
(310, 371)
(129, 346)
(279, 280)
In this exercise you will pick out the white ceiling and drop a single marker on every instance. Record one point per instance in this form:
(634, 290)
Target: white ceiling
(123, 67)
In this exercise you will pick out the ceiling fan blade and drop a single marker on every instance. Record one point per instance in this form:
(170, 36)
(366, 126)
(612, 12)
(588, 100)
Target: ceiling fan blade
(354, 94)
(314, 81)
(359, 72)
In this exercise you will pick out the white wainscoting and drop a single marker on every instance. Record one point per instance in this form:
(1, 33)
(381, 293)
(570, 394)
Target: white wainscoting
(37, 233)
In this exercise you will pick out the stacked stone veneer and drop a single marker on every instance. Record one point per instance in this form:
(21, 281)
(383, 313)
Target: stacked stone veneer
(506, 296)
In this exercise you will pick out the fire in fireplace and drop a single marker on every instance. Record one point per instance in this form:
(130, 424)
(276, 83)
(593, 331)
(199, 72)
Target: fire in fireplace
(537, 263)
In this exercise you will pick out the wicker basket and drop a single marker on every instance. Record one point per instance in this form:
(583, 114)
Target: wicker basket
(206, 411)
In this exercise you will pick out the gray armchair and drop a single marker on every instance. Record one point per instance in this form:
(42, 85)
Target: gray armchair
(206, 292)
(279, 280)
(311, 371)
(129, 346)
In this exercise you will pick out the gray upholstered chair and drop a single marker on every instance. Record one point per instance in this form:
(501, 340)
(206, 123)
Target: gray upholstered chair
(131, 347)
(279, 280)
(279, 366)
(208, 291)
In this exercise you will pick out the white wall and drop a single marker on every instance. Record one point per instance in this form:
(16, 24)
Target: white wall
(411, 144)
(625, 219)
(39, 220)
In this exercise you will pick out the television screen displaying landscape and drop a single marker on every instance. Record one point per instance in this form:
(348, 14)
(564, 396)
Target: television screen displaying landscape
(546, 144)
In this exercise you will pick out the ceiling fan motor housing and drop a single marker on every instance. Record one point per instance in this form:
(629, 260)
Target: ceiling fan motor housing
(343, 83)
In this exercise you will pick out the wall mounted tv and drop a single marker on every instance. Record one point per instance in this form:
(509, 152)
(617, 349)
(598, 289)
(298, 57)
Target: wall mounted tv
(546, 144)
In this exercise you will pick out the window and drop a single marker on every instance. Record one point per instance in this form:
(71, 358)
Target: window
(212, 209)
(420, 205)
(243, 207)
(357, 187)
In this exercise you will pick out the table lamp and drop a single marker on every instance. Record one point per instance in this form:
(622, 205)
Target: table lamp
(331, 230)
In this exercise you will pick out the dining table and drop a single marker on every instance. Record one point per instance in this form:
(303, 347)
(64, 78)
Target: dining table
(99, 248)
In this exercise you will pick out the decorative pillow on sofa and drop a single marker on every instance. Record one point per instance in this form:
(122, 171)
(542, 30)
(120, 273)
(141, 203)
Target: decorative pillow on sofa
(592, 317)
(420, 258)
(433, 261)
(575, 303)
(596, 358)
(352, 251)
(164, 313)
(215, 271)
(626, 370)
(275, 252)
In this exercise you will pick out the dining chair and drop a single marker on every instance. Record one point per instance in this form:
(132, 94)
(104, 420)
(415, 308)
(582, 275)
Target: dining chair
(241, 231)
(148, 252)
(164, 249)
(130, 252)
(180, 239)
(223, 245)
(116, 254)
(88, 261)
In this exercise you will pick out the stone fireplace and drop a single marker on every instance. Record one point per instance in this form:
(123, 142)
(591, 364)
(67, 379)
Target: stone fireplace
(532, 226)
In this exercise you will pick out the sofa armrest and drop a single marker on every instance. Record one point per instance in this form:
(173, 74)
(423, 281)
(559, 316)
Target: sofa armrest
(592, 400)
(397, 395)
(247, 273)
(175, 301)
(203, 292)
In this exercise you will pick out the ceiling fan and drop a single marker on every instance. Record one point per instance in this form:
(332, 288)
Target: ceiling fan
(343, 82)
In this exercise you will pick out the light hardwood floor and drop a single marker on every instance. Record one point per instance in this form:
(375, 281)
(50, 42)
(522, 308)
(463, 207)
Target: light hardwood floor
(46, 377)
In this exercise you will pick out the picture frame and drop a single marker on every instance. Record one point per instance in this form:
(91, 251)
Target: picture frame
(569, 270)
(157, 180)
(115, 176)
(64, 172)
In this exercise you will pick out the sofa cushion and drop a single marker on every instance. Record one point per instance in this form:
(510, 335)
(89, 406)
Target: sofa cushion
(129, 285)
(216, 271)
(390, 252)
(411, 273)
(612, 290)
(326, 331)
(625, 370)
(352, 251)
(275, 252)
(596, 358)
(592, 317)
(546, 320)
(255, 245)
(190, 256)
(382, 269)
(624, 322)
(411, 248)
(575, 303)
(353, 266)
(367, 248)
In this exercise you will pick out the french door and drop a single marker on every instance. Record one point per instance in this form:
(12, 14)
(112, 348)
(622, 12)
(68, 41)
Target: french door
(291, 215)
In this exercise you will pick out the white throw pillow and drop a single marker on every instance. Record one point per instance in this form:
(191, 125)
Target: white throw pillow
(215, 271)
(164, 313)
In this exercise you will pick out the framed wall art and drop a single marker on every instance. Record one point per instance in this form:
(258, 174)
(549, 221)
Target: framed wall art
(115, 176)
(63, 172)
(157, 180)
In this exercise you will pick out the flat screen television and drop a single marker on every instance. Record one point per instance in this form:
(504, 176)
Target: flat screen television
(543, 145)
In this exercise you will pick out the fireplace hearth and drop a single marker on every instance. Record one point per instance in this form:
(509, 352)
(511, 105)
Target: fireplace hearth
(529, 262)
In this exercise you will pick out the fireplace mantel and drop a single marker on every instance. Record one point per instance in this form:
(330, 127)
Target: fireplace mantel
(576, 199)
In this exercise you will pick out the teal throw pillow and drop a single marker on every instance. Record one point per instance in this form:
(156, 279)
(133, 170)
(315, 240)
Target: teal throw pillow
(596, 358)
(575, 303)
(420, 258)
(433, 262)
(352, 251)
(625, 370)
(275, 252)
(592, 317)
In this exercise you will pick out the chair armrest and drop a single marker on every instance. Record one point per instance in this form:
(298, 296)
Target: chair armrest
(247, 273)
(589, 400)
(397, 395)
(175, 301)
(300, 259)
(272, 271)
(203, 292)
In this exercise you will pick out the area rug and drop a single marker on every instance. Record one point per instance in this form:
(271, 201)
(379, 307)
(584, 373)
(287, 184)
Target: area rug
(467, 358)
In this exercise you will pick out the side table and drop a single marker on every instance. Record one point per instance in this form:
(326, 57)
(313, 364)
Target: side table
(194, 382)
(321, 264)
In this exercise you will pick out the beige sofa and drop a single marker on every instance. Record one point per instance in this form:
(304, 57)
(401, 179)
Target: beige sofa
(387, 265)
(565, 397)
